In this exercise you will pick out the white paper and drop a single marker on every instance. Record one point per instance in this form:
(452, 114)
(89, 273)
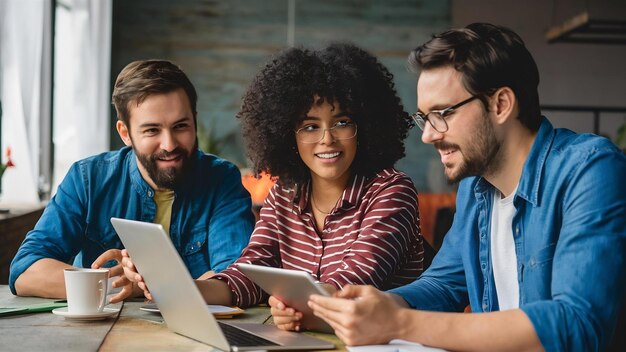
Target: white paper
(222, 309)
(394, 346)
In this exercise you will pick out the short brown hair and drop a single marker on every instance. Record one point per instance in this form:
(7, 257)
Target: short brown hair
(140, 79)
(488, 57)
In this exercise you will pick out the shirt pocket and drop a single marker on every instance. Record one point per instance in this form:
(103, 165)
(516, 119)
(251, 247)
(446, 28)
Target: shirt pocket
(537, 274)
(194, 252)
(542, 257)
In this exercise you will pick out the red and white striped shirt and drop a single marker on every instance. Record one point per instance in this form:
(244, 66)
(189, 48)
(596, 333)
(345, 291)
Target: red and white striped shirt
(371, 237)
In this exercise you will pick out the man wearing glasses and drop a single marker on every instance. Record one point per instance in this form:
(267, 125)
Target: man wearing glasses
(538, 240)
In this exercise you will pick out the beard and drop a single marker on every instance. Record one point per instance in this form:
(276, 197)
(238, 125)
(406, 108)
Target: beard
(480, 156)
(171, 177)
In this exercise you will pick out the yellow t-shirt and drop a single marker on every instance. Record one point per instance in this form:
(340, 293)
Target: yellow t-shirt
(164, 201)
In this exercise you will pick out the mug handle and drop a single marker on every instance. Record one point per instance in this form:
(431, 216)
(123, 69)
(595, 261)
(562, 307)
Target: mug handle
(103, 293)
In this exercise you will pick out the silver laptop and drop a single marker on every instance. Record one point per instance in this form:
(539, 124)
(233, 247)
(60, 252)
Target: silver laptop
(181, 304)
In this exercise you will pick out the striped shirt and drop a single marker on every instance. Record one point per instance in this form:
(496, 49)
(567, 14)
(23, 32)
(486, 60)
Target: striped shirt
(371, 237)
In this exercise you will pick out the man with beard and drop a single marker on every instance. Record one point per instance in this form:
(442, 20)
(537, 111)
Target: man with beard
(538, 240)
(160, 176)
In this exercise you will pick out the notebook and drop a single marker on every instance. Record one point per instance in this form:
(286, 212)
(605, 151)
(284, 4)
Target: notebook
(181, 304)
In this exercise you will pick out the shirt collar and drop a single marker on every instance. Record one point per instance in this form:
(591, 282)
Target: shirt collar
(532, 172)
(357, 185)
(140, 184)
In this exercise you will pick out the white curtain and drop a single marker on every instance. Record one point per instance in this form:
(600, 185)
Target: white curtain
(81, 89)
(25, 43)
(82, 68)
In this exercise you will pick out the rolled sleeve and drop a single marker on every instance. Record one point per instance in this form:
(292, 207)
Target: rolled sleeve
(57, 233)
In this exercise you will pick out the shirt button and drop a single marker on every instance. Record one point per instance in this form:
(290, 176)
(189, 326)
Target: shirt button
(198, 243)
(485, 307)
(149, 193)
(483, 265)
(482, 235)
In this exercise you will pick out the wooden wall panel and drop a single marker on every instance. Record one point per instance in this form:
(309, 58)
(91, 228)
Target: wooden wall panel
(222, 44)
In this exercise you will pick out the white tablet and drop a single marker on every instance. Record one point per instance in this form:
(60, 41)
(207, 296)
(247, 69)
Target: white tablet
(292, 287)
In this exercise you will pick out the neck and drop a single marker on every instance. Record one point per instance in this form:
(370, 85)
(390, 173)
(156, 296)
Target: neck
(509, 162)
(325, 193)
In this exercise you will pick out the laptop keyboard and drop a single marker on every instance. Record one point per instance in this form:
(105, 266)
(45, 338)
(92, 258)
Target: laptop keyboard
(238, 337)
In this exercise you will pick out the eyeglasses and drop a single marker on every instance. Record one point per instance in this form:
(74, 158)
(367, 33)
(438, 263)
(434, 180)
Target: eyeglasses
(437, 117)
(313, 134)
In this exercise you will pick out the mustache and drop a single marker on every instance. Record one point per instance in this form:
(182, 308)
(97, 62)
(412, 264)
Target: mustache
(165, 154)
(445, 145)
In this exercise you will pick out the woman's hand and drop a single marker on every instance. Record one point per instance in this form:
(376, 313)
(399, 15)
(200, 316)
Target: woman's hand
(285, 318)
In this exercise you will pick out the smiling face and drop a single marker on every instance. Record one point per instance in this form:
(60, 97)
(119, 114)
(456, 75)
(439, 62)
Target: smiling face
(329, 159)
(163, 136)
(469, 147)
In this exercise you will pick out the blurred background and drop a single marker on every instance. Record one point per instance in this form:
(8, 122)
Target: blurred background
(59, 59)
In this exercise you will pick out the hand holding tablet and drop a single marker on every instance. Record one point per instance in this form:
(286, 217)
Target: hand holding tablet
(292, 287)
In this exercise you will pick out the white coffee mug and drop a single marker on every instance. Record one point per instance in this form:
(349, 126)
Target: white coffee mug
(86, 290)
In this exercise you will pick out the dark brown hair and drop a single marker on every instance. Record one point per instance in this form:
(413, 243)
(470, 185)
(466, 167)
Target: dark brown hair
(488, 57)
(143, 78)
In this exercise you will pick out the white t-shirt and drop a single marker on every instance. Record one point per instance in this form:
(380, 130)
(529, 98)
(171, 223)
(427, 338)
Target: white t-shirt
(503, 257)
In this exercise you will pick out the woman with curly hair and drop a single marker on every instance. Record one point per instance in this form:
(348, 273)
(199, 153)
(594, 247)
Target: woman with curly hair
(329, 126)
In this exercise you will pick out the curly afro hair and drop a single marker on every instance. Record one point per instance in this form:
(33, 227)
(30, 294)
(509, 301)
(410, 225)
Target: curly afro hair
(283, 92)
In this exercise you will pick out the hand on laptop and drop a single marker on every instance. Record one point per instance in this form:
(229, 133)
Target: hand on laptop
(285, 318)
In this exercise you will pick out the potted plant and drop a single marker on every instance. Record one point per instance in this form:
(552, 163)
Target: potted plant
(4, 166)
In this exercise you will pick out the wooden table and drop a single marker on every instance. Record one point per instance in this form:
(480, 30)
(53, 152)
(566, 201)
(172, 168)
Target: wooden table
(131, 330)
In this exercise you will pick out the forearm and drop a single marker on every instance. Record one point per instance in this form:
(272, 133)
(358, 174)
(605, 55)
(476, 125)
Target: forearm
(502, 331)
(215, 292)
(398, 299)
(44, 278)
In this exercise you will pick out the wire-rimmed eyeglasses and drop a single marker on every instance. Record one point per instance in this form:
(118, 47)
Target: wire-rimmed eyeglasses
(314, 134)
(436, 118)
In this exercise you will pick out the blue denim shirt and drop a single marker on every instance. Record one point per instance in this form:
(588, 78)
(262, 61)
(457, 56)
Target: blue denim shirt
(570, 239)
(211, 218)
